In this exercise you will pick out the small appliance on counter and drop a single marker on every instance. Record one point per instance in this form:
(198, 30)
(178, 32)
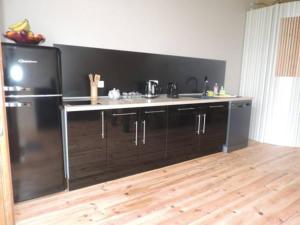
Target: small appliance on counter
(151, 89)
(172, 90)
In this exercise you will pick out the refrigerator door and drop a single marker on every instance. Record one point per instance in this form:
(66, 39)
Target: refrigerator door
(36, 146)
(31, 70)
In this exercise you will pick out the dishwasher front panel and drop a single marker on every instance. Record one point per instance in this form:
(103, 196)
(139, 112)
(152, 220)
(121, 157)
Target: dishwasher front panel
(238, 125)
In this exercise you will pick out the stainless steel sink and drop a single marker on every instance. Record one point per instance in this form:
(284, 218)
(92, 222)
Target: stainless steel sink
(200, 96)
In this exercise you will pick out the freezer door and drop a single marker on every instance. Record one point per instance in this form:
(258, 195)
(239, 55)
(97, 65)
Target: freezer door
(35, 146)
(31, 70)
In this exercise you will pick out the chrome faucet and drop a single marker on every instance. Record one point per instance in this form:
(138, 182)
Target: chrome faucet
(205, 89)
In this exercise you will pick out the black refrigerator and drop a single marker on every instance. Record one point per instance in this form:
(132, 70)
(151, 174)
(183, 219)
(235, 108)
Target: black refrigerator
(32, 79)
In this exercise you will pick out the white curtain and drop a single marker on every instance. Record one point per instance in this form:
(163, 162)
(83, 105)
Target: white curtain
(276, 100)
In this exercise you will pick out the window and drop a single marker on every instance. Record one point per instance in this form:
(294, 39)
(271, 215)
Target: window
(288, 55)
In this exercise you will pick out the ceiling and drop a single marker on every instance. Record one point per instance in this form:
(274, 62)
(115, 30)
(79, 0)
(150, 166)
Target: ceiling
(262, 3)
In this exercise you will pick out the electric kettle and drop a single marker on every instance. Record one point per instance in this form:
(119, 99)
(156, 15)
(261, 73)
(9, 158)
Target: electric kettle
(151, 89)
(172, 90)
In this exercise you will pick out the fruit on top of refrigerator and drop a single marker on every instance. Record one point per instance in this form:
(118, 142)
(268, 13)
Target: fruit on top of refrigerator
(20, 33)
(23, 25)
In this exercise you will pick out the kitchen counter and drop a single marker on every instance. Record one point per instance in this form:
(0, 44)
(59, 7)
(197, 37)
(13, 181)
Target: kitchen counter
(104, 103)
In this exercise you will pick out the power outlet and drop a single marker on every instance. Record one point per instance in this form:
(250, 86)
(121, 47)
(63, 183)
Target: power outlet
(101, 84)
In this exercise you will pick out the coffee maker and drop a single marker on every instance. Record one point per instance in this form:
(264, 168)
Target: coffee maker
(172, 90)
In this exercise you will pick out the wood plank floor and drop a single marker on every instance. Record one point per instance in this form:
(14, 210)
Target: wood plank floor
(256, 185)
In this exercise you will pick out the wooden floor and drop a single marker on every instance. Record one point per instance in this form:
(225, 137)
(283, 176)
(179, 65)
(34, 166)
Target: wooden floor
(257, 185)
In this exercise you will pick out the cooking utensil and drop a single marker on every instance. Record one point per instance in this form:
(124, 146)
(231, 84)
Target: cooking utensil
(97, 78)
(91, 78)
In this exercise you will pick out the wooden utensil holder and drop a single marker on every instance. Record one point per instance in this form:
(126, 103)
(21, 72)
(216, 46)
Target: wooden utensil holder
(94, 92)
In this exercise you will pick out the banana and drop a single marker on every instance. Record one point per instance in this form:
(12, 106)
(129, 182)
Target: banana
(13, 26)
(24, 25)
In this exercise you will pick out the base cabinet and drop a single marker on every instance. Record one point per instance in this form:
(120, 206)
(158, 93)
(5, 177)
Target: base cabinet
(182, 139)
(136, 140)
(152, 136)
(109, 144)
(213, 127)
(196, 130)
(122, 140)
(86, 147)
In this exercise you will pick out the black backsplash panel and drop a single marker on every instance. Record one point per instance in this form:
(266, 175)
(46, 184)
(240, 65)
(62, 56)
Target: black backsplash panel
(128, 71)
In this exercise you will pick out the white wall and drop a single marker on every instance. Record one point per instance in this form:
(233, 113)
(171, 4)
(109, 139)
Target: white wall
(198, 28)
(1, 16)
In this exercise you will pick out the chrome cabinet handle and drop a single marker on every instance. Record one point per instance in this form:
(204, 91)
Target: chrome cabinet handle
(102, 125)
(16, 88)
(185, 109)
(144, 132)
(123, 114)
(17, 104)
(199, 124)
(152, 112)
(216, 106)
(136, 133)
(204, 124)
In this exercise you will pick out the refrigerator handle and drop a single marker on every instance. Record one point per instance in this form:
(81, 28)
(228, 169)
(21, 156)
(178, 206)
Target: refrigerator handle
(17, 104)
(16, 88)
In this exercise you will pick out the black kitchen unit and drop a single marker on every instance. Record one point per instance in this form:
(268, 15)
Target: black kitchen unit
(33, 97)
(136, 140)
(183, 139)
(213, 127)
(87, 148)
(122, 141)
(153, 135)
(110, 144)
(196, 130)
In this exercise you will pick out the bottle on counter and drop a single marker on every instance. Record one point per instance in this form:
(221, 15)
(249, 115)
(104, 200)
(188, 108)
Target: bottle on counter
(222, 91)
(216, 89)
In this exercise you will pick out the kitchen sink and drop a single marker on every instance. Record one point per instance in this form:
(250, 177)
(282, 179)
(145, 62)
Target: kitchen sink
(199, 96)
(196, 96)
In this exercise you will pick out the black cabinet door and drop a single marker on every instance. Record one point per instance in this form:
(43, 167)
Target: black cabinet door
(213, 127)
(122, 134)
(87, 147)
(153, 136)
(182, 139)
